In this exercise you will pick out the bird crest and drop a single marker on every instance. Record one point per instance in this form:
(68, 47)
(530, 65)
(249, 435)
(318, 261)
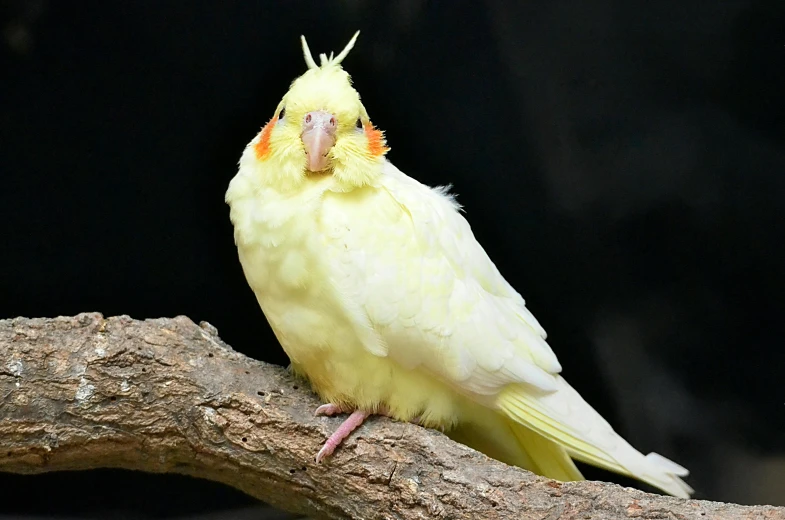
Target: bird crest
(327, 62)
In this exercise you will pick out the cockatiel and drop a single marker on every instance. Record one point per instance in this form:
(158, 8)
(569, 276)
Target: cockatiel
(384, 300)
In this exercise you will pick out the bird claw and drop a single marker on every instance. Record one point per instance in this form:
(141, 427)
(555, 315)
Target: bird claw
(329, 410)
(326, 451)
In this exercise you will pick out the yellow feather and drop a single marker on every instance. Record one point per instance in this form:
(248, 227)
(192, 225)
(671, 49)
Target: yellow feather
(550, 457)
(379, 293)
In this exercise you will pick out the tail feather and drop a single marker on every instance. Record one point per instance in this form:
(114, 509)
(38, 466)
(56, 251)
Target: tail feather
(552, 459)
(492, 434)
(668, 465)
(512, 443)
(564, 418)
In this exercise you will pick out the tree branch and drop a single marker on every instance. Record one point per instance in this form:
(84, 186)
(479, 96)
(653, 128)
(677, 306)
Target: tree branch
(169, 396)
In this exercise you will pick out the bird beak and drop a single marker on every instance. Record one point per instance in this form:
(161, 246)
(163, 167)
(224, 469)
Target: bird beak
(318, 137)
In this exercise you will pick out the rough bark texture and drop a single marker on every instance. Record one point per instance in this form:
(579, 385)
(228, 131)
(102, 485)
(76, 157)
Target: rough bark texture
(168, 395)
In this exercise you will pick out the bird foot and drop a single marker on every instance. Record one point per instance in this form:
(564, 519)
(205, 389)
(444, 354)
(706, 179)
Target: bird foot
(344, 430)
(330, 409)
(354, 421)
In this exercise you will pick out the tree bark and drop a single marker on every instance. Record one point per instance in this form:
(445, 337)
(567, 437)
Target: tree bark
(168, 395)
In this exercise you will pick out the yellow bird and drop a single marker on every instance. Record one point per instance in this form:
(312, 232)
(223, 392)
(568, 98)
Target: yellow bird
(384, 300)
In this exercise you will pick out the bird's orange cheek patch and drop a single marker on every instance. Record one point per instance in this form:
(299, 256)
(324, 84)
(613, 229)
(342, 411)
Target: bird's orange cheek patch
(376, 144)
(263, 146)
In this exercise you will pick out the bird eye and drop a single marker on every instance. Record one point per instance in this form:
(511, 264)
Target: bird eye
(359, 123)
(282, 113)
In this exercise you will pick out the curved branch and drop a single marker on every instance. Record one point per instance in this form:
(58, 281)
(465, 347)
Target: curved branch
(167, 395)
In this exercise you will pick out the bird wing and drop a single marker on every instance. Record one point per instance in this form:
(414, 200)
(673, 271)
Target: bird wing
(406, 263)
(423, 292)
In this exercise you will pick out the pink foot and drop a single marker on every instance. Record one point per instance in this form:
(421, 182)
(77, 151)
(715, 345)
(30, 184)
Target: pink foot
(347, 427)
(329, 410)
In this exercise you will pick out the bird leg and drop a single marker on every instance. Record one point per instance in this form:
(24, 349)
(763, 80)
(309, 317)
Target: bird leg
(347, 427)
(354, 421)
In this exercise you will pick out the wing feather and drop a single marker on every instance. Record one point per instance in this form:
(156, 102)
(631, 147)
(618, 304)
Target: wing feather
(427, 295)
(409, 260)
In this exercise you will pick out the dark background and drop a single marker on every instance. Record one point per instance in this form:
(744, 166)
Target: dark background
(623, 162)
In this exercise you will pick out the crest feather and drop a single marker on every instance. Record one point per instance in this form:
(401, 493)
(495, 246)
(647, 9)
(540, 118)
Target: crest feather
(325, 61)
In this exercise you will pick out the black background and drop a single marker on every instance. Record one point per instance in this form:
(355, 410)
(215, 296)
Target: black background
(622, 162)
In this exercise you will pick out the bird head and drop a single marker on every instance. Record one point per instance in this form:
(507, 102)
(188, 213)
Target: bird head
(320, 127)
